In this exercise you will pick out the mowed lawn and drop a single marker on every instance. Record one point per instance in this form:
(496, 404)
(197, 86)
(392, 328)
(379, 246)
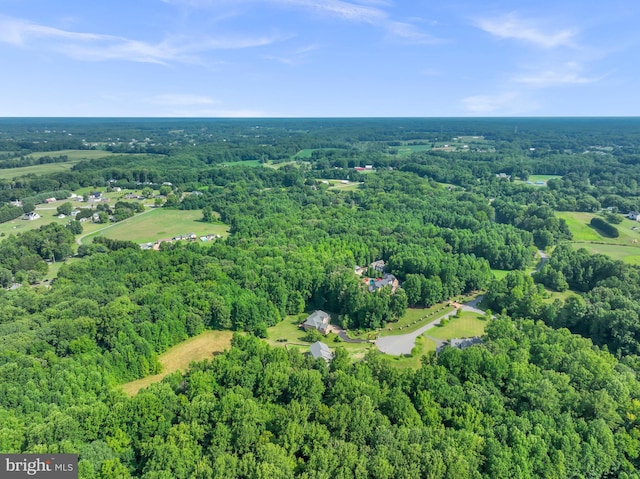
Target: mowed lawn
(179, 357)
(160, 223)
(19, 225)
(467, 325)
(626, 247)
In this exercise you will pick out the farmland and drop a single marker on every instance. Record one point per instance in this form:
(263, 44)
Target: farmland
(626, 247)
(160, 223)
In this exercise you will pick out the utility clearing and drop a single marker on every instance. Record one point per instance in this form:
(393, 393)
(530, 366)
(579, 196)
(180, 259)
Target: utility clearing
(179, 357)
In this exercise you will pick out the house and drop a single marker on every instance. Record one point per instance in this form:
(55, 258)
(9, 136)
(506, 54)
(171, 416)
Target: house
(320, 350)
(464, 343)
(378, 265)
(503, 176)
(457, 343)
(368, 167)
(16, 203)
(633, 215)
(317, 320)
(386, 280)
(50, 200)
(360, 270)
(31, 216)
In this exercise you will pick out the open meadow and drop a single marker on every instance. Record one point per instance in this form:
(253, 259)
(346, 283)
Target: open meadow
(159, 223)
(75, 156)
(625, 247)
(201, 347)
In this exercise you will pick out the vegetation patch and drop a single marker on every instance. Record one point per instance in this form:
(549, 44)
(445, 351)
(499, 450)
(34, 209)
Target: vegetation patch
(179, 357)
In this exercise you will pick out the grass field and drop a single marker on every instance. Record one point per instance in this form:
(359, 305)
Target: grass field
(198, 348)
(621, 248)
(467, 325)
(415, 318)
(244, 163)
(536, 178)
(75, 156)
(406, 150)
(19, 225)
(307, 152)
(627, 253)
(160, 223)
(500, 273)
(10, 173)
(339, 185)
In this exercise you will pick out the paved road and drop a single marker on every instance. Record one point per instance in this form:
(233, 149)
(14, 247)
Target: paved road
(544, 257)
(404, 343)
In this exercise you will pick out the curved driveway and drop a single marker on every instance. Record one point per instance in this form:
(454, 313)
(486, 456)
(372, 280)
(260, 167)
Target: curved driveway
(404, 343)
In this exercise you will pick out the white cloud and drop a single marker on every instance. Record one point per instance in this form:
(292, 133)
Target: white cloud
(364, 11)
(511, 26)
(181, 99)
(294, 57)
(554, 78)
(100, 47)
(215, 113)
(506, 103)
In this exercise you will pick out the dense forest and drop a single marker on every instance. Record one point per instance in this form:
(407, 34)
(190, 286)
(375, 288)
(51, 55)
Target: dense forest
(452, 208)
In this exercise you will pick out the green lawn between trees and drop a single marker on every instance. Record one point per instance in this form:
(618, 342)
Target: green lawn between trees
(585, 236)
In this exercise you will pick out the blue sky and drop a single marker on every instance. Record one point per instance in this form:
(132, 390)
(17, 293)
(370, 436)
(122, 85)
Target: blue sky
(309, 58)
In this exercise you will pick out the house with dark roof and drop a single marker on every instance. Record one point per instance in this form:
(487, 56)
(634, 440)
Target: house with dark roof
(320, 350)
(385, 280)
(317, 320)
(460, 343)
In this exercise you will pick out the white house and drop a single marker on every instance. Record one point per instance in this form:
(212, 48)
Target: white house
(31, 216)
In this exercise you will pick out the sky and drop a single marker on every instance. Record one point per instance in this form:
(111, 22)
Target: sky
(319, 58)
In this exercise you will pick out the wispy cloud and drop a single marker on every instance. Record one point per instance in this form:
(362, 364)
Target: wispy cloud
(370, 12)
(508, 102)
(526, 30)
(181, 99)
(555, 78)
(100, 47)
(294, 57)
